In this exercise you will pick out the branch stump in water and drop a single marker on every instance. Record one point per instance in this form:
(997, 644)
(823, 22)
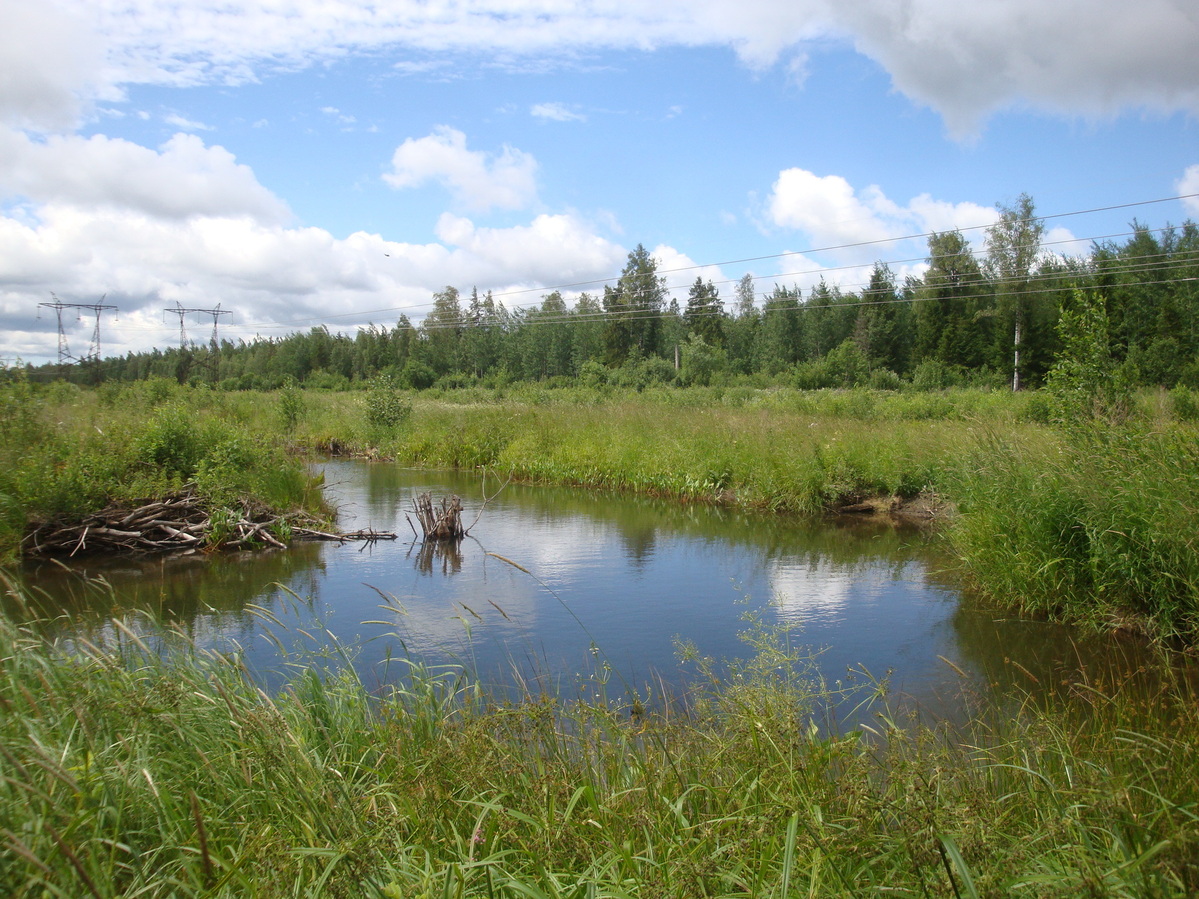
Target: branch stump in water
(439, 521)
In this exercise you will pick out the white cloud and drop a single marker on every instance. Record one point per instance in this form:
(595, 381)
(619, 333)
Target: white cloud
(849, 229)
(182, 178)
(550, 249)
(1188, 187)
(556, 112)
(1061, 242)
(680, 272)
(48, 59)
(1075, 57)
(836, 216)
(478, 181)
(185, 124)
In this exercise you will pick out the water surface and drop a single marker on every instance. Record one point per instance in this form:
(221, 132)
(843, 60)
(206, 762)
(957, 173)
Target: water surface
(554, 583)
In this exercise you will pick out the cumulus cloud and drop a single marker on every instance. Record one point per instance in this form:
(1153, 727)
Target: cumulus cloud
(964, 60)
(184, 177)
(837, 217)
(1188, 188)
(680, 272)
(550, 249)
(849, 229)
(478, 181)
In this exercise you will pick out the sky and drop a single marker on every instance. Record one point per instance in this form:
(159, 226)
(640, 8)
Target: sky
(305, 163)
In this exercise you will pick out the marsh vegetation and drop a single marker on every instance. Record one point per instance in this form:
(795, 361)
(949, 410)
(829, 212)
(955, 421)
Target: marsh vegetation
(136, 772)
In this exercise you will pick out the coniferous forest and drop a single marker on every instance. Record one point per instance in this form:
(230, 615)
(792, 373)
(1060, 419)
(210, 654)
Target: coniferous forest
(982, 319)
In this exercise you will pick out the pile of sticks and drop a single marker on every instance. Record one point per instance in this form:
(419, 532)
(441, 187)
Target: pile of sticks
(444, 523)
(175, 522)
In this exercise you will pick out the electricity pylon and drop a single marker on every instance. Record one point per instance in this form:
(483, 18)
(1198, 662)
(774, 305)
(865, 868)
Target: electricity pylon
(93, 351)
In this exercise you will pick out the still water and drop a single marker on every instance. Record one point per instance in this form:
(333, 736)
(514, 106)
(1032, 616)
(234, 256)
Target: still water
(553, 583)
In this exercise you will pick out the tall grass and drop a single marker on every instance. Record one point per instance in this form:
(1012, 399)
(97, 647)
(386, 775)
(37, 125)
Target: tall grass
(66, 452)
(129, 772)
(1098, 524)
(766, 454)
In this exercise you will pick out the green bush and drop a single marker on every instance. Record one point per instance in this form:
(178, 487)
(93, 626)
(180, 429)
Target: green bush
(291, 405)
(386, 406)
(171, 442)
(1184, 404)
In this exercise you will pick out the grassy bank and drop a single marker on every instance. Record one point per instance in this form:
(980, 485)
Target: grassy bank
(66, 452)
(126, 773)
(1087, 524)
(780, 450)
(1098, 527)
(1094, 524)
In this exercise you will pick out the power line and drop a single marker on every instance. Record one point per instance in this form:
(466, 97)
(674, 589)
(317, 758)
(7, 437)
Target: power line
(832, 248)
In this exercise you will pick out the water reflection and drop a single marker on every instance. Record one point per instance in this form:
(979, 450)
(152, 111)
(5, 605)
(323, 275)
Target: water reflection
(443, 557)
(552, 580)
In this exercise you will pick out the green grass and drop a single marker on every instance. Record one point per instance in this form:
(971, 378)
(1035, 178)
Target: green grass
(130, 772)
(767, 450)
(1085, 525)
(66, 452)
(1097, 525)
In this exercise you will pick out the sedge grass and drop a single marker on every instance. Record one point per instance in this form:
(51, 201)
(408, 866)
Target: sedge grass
(126, 772)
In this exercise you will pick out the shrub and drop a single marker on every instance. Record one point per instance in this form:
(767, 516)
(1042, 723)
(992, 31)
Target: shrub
(291, 405)
(933, 374)
(386, 407)
(171, 442)
(1183, 404)
(417, 375)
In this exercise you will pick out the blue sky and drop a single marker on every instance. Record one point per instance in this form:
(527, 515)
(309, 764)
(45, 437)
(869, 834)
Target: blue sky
(309, 162)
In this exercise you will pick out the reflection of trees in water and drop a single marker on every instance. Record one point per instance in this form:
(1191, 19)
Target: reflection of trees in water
(444, 554)
(1049, 660)
(639, 544)
(641, 522)
(173, 589)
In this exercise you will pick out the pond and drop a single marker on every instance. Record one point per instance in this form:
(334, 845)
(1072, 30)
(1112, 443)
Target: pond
(555, 585)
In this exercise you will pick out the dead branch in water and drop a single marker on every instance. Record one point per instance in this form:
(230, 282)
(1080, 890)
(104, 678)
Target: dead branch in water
(175, 522)
(444, 523)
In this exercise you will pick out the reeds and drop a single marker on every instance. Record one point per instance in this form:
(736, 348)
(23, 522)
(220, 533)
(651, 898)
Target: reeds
(126, 772)
(1094, 525)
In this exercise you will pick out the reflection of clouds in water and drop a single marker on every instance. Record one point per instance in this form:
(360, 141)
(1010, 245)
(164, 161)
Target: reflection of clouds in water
(503, 600)
(557, 550)
(818, 589)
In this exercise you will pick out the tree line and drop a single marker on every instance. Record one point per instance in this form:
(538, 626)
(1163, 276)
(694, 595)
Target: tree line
(986, 319)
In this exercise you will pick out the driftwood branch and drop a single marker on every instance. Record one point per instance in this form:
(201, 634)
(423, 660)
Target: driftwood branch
(487, 499)
(176, 522)
(439, 521)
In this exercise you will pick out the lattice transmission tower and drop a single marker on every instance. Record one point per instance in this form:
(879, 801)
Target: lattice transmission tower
(65, 358)
(213, 360)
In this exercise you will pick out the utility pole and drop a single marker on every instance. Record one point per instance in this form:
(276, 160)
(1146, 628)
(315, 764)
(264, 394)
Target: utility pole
(93, 351)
